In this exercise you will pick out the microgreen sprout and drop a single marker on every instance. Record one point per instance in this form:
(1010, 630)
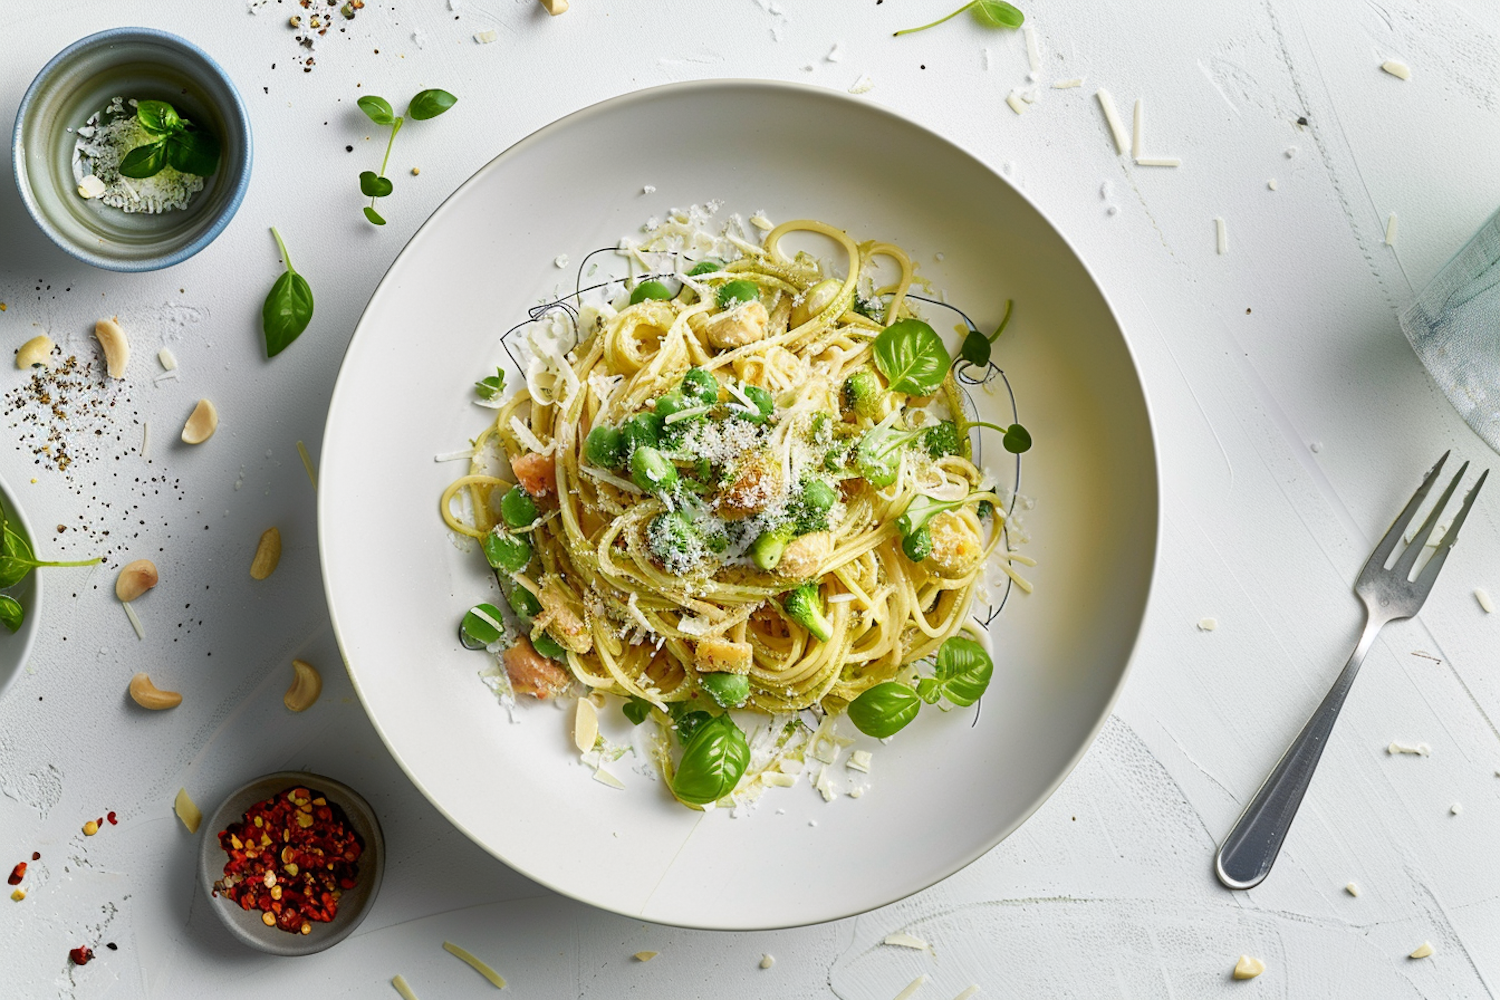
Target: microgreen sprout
(491, 386)
(994, 13)
(976, 346)
(427, 104)
(961, 673)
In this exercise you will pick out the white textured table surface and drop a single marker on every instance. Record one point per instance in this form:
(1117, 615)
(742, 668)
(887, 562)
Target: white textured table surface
(1292, 417)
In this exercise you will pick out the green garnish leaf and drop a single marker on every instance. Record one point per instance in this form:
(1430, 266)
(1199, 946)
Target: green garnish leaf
(475, 631)
(491, 386)
(17, 559)
(372, 185)
(964, 669)
(737, 293)
(911, 356)
(193, 153)
(995, 13)
(1017, 439)
(288, 307)
(884, 709)
(373, 215)
(378, 109)
(712, 763)
(429, 104)
(158, 117)
(636, 710)
(549, 647)
(929, 689)
(976, 346)
(144, 161)
(688, 723)
(11, 613)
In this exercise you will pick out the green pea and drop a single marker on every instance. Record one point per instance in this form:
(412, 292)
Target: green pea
(708, 266)
(506, 551)
(649, 290)
(736, 293)
(517, 508)
(605, 447)
(524, 603)
(548, 646)
(764, 404)
(818, 495)
(918, 544)
(650, 470)
(765, 551)
(643, 431)
(673, 402)
(701, 385)
(729, 690)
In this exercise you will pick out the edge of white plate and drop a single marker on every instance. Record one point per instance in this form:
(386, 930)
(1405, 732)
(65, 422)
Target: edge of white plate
(647, 94)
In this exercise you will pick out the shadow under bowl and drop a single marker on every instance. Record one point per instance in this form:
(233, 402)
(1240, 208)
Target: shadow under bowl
(247, 925)
(136, 64)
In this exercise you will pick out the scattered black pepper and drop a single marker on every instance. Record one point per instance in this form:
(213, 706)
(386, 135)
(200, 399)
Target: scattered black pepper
(112, 946)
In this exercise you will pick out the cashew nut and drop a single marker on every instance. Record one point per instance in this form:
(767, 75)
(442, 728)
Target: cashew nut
(267, 554)
(306, 687)
(116, 347)
(35, 353)
(148, 695)
(135, 579)
(201, 424)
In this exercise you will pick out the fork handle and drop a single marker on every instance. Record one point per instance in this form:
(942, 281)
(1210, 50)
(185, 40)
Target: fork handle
(1246, 856)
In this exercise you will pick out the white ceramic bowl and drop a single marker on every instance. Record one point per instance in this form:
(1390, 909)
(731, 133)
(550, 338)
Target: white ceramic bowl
(15, 648)
(942, 793)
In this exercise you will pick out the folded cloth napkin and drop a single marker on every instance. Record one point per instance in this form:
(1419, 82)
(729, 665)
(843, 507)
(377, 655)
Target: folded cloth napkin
(1454, 326)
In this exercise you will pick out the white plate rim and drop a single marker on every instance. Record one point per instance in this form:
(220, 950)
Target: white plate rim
(647, 94)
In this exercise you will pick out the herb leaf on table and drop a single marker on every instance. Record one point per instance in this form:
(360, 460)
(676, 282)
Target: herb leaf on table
(288, 308)
(426, 104)
(994, 13)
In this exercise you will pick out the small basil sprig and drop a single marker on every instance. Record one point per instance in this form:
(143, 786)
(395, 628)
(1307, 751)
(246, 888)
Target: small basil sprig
(994, 13)
(976, 346)
(636, 710)
(712, 763)
(17, 560)
(491, 386)
(961, 673)
(12, 614)
(911, 356)
(427, 104)
(177, 142)
(288, 308)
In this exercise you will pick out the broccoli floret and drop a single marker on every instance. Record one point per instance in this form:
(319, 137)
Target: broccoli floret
(863, 394)
(942, 439)
(805, 607)
(728, 690)
(672, 539)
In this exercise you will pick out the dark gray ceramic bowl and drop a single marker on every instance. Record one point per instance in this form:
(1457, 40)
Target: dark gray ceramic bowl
(133, 63)
(246, 924)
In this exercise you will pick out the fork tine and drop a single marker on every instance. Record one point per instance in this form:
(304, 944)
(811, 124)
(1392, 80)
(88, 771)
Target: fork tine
(1408, 559)
(1392, 537)
(1430, 571)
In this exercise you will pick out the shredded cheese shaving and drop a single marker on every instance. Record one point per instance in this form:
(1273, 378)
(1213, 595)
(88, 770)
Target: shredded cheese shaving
(474, 963)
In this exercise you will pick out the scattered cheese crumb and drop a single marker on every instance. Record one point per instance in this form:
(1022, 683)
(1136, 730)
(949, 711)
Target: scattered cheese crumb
(857, 792)
(905, 941)
(1207, 624)
(1137, 130)
(834, 55)
(967, 992)
(911, 988)
(484, 970)
(1016, 104)
(1077, 81)
(187, 810)
(778, 779)
(1456, 808)
(486, 36)
(91, 187)
(859, 760)
(1352, 889)
(1424, 950)
(645, 956)
(167, 359)
(862, 86)
(1396, 68)
(1221, 232)
(1390, 230)
(561, 260)
(1483, 597)
(18, 895)
(1291, 151)
(767, 960)
(1271, 184)
(1033, 54)
(1158, 161)
(1248, 968)
(1116, 129)
(135, 622)
(648, 189)
(1421, 749)
(605, 778)
(402, 988)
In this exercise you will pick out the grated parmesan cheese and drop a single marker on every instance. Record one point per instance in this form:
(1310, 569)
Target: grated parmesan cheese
(968, 992)
(1016, 103)
(911, 988)
(605, 778)
(1418, 749)
(767, 960)
(902, 940)
(778, 779)
(168, 361)
(486, 36)
(1207, 624)
(1352, 889)
(453, 456)
(1076, 81)
(145, 439)
(1033, 54)
(1456, 808)
(1424, 950)
(1137, 129)
(307, 463)
(1397, 68)
(1158, 161)
(1221, 235)
(135, 623)
(862, 86)
(1116, 129)
(646, 956)
(402, 988)
(1390, 230)
(859, 760)
(496, 980)
(1483, 597)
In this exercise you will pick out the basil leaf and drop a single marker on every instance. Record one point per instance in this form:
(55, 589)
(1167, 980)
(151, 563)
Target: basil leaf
(11, 613)
(377, 109)
(288, 310)
(193, 153)
(964, 669)
(476, 633)
(688, 724)
(929, 689)
(884, 709)
(1017, 439)
(430, 104)
(145, 161)
(491, 386)
(158, 117)
(912, 357)
(373, 215)
(636, 710)
(712, 763)
(997, 14)
(17, 559)
(372, 185)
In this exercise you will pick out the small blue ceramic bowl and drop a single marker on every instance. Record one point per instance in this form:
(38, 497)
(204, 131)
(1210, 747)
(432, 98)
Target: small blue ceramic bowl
(133, 63)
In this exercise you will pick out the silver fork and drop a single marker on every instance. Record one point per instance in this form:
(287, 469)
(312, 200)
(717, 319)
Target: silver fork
(1246, 856)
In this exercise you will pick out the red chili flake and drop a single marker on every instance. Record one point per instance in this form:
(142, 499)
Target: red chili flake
(36, 855)
(17, 874)
(291, 857)
(112, 820)
(81, 955)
